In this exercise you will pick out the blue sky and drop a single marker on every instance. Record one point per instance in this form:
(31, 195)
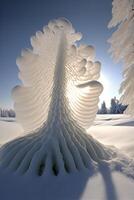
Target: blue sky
(20, 19)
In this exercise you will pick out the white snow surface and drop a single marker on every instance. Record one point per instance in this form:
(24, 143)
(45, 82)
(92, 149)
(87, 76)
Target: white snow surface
(9, 130)
(115, 130)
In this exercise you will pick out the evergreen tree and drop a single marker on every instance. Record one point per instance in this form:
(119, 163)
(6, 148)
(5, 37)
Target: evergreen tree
(113, 108)
(103, 109)
(7, 113)
(11, 113)
(121, 108)
(117, 107)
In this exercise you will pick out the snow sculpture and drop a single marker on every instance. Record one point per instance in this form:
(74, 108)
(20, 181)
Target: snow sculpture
(57, 100)
(122, 47)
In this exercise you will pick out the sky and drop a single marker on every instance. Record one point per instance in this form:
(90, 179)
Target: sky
(20, 19)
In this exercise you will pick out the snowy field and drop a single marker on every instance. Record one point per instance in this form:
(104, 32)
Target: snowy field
(114, 130)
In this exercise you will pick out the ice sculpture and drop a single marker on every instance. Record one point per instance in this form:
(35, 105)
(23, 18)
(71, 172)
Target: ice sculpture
(57, 101)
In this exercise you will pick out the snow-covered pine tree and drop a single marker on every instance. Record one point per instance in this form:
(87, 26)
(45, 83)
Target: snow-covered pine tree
(113, 107)
(11, 113)
(122, 47)
(120, 108)
(4, 113)
(57, 101)
(103, 109)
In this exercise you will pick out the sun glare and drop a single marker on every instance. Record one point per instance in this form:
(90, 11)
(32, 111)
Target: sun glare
(104, 81)
(106, 90)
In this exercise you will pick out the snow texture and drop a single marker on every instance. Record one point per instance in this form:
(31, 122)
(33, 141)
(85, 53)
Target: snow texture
(104, 185)
(122, 47)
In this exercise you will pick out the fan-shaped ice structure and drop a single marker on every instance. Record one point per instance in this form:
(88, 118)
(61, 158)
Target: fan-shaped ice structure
(57, 100)
(54, 69)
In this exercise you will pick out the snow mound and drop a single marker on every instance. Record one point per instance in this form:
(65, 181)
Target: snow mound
(110, 185)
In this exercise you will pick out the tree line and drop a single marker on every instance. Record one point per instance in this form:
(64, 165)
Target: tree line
(7, 112)
(115, 108)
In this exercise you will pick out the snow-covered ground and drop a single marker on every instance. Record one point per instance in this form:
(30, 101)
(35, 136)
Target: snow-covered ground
(9, 130)
(115, 130)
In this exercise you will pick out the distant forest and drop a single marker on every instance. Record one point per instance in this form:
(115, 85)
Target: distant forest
(115, 108)
(7, 112)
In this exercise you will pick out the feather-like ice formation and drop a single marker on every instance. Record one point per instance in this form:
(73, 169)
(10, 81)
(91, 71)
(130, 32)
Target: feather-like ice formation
(37, 68)
(57, 100)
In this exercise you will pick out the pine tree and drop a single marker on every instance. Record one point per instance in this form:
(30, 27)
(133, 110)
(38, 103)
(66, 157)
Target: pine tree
(103, 109)
(116, 107)
(11, 113)
(113, 107)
